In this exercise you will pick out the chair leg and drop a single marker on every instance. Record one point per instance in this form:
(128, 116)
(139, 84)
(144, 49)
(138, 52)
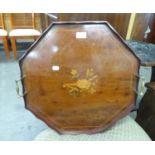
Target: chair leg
(6, 47)
(14, 48)
(36, 37)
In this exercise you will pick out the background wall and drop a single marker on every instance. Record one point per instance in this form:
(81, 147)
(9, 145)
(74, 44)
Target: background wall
(120, 21)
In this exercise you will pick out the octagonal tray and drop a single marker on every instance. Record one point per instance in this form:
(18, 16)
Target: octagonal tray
(79, 77)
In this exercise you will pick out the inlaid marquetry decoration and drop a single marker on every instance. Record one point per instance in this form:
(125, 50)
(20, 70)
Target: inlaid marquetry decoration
(81, 85)
(79, 77)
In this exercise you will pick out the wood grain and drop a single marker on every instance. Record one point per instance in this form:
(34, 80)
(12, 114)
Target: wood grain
(142, 21)
(146, 112)
(49, 65)
(4, 38)
(22, 20)
(119, 21)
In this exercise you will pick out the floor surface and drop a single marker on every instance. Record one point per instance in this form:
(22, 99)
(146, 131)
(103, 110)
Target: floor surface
(16, 123)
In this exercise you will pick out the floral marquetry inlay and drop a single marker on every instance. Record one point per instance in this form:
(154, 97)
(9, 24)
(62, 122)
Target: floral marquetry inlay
(81, 85)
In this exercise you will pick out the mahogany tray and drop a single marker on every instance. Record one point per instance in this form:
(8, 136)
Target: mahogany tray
(79, 77)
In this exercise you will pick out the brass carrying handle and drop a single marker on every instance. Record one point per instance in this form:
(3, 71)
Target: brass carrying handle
(142, 85)
(18, 89)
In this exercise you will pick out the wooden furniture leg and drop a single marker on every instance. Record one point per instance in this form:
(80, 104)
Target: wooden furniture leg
(153, 74)
(14, 48)
(6, 47)
(36, 37)
(146, 113)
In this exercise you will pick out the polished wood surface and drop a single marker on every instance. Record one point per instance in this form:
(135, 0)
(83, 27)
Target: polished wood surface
(2, 26)
(119, 21)
(151, 37)
(151, 85)
(79, 77)
(4, 38)
(142, 22)
(146, 112)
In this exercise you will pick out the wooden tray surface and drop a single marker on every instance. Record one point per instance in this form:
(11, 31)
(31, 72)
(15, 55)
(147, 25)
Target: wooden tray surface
(79, 77)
